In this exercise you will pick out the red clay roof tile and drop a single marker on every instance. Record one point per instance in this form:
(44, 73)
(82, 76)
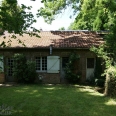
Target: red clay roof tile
(58, 39)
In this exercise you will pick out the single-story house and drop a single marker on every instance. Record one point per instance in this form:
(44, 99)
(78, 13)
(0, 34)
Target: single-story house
(50, 52)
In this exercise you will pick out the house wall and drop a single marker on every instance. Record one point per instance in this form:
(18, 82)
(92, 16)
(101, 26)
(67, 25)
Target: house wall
(49, 77)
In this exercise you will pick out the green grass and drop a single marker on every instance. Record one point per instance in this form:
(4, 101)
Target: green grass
(56, 100)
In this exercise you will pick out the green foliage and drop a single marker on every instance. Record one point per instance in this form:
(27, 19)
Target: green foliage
(31, 72)
(52, 8)
(99, 79)
(101, 52)
(62, 28)
(24, 71)
(98, 68)
(90, 14)
(110, 84)
(20, 66)
(95, 15)
(107, 52)
(11, 16)
(15, 18)
(72, 75)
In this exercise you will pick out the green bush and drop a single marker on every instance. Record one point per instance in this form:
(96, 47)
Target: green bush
(71, 75)
(99, 79)
(20, 66)
(98, 69)
(110, 84)
(24, 71)
(31, 72)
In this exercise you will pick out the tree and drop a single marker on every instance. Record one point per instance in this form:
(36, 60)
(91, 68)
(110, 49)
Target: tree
(93, 14)
(96, 15)
(54, 7)
(14, 18)
(62, 28)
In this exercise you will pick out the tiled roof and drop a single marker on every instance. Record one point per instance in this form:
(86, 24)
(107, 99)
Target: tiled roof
(58, 39)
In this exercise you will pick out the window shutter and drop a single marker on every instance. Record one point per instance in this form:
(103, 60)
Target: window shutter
(1, 64)
(53, 64)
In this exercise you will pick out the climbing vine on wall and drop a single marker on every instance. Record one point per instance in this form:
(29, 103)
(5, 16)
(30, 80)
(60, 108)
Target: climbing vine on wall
(72, 74)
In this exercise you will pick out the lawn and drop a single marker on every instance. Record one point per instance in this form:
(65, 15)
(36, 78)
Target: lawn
(55, 100)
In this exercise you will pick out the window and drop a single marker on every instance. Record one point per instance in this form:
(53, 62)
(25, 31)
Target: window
(50, 64)
(90, 62)
(10, 66)
(64, 61)
(37, 63)
(41, 63)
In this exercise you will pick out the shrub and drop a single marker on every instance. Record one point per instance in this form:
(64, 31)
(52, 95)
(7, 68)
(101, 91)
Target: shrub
(110, 84)
(20, 66)
(24, 71)
(99, 79)
(71, 75)
(31, 72)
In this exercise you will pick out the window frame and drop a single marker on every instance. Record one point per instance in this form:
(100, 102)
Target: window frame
(10, 62)
(90, 63)
(65, 60)
(42, 65)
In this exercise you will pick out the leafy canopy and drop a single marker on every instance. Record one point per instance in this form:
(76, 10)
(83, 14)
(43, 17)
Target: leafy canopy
(54, 7)
(15, 18)
(93, 14)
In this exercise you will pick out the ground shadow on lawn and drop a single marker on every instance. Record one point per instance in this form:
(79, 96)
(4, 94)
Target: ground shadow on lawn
(56, 100)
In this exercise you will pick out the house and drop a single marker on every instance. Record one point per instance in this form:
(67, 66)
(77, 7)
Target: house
(50, 52)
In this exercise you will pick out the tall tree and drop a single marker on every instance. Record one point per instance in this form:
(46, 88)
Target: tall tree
(14, 18)
(53, 7)
(93, 14)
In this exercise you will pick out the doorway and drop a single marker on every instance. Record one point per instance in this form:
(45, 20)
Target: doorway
(90, 67)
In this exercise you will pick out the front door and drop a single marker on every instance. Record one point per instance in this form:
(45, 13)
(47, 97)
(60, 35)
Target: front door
(63, 66)
(90, 68)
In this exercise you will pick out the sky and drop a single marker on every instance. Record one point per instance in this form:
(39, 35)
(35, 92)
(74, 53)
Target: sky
(62, 20)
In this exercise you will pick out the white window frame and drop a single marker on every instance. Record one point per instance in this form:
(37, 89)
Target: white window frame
(41, 66)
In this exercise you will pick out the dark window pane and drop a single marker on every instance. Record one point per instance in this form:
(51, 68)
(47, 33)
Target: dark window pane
(44, 63)
(64, 61)
(90, 62)
(10, 67)
(37, 60)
